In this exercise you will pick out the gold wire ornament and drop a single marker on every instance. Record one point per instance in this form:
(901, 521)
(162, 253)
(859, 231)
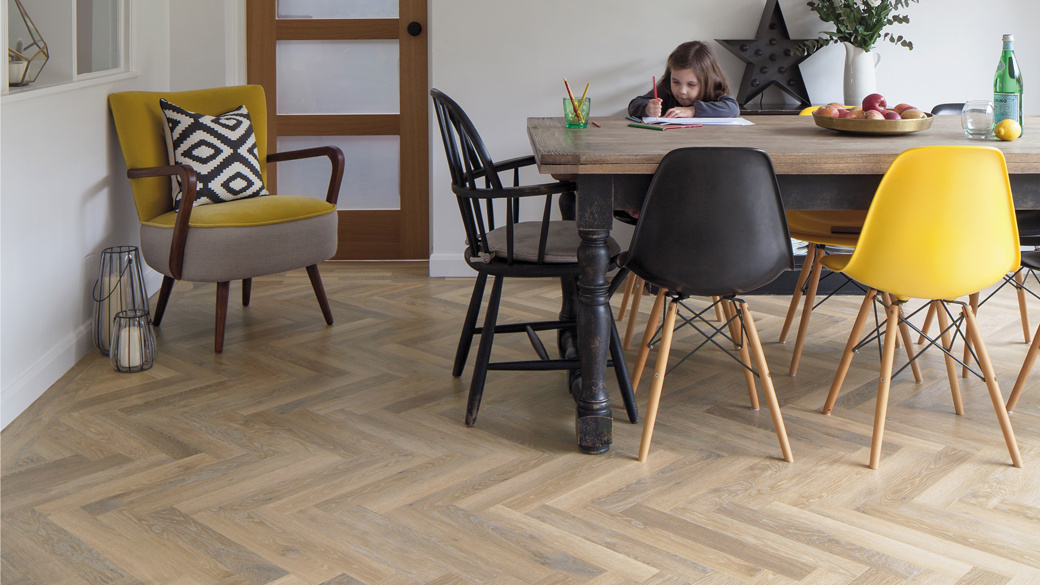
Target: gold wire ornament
(24, 61)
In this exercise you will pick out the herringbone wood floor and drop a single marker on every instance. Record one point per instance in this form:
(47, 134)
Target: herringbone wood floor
(308, 454)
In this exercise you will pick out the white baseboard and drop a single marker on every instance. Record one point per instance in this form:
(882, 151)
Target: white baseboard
(450, 265)
(24, 390)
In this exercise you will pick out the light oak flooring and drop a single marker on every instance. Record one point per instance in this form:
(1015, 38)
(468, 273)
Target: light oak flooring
(307, 454)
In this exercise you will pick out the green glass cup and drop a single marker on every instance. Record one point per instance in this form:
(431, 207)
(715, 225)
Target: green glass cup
(575, 121)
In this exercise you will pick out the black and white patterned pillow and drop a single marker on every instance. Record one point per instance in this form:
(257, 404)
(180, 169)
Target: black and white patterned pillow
(221, 149)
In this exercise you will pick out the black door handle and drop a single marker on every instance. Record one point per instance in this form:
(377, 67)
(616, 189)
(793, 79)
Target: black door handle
(414, 28)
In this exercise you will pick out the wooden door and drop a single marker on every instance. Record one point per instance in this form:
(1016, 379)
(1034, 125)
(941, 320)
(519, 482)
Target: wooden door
(354, 75)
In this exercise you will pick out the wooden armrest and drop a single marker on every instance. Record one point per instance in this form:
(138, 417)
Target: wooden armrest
(514, 163)
(335, 156)
(189, 184)
(508, 192)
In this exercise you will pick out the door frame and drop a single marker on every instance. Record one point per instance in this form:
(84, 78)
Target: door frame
(402, 234)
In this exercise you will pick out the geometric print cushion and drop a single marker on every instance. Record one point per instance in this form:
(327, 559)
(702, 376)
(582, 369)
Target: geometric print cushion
(221, 149)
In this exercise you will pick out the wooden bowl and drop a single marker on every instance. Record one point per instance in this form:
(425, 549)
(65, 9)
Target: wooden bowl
(876, 127)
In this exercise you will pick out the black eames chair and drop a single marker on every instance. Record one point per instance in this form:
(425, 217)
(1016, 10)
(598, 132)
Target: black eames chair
(542, 248)
(712, 225)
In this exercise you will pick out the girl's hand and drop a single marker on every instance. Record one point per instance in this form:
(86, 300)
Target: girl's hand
(653, 108)
(680, 112)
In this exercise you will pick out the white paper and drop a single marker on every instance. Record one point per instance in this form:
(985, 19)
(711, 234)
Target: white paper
(700, 121)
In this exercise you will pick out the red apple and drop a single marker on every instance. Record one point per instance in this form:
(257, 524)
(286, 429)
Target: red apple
(891, 115)
(856, 113)
(837, 106)
(843, 113)
(899, 108)
(873, 115)
(827, 112)
(875, 101)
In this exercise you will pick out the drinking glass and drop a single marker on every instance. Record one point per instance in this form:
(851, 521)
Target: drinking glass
(977, 119)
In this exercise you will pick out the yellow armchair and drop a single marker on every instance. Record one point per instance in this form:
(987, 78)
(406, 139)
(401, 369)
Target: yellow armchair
(234, 240)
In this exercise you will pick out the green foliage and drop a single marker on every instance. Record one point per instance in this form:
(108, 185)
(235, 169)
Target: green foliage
(859, 22)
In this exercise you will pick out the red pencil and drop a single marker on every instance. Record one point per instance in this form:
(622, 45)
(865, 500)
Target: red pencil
(655, 87)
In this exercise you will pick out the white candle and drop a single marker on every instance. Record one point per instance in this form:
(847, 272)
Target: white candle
(130, 347)
(111, 303)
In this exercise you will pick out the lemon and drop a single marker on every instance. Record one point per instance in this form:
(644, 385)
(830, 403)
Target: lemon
(1007, 129)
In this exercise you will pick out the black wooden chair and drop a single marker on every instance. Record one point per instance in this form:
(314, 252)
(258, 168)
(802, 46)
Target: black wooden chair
(511, 248)
(712, 225)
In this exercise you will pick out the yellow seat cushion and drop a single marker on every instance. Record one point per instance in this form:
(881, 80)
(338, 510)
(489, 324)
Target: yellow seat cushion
(269, 210)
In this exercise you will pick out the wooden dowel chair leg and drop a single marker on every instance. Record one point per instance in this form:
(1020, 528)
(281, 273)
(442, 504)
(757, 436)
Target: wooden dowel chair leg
(993, 387)
(927, 323)
(746, 357)
(247, 289)
(719, 315)
(1020, 278)
(973, 300)
(1027, 365)
(884, 383)
(630, 282)
(319, 292)
(846, 356)
(951, 364)
(904, 334)
(767, 382)
(803, 324)
(796, 296)
(648, 334)
(658, 384)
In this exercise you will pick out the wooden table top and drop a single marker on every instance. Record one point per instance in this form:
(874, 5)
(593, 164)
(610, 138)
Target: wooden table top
(796, 145)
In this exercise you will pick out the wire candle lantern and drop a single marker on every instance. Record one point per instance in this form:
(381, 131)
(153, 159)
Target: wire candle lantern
(119, 287)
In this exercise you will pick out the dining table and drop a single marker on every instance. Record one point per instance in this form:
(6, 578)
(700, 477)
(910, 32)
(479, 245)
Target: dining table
(613, 163)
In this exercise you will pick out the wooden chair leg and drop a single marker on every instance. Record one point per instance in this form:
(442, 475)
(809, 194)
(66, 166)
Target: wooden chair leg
(729, 312)
(469, 325)
(630, 282)
(1027, 365)
(487, 338)
(951, 364)
(648, 334)
(659, 372)
(637, 298)
(993, 387)
(719, 315)
(745, 355)
(889, 299)
(223, 290)
(846, 356)
(803, 324)
(884, 383)
(247, 288)
(767, 382)
(904, 334)
(164, 298)
(927, 322)
(1020, 278)
(796, 296)
(973, 300)
(319, 291)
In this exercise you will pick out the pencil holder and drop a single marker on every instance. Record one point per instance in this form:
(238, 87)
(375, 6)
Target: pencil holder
(581, 119)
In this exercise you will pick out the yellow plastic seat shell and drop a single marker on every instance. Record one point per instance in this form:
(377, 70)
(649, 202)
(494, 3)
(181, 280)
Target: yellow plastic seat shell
(941, 226)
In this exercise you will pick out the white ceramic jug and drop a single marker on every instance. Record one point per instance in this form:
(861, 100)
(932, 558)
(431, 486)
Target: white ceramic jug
(860, 79)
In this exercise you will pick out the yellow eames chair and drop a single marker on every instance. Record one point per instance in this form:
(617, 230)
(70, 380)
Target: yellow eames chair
(941, 226)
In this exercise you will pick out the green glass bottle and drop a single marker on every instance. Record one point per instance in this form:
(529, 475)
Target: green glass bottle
(1007, 85)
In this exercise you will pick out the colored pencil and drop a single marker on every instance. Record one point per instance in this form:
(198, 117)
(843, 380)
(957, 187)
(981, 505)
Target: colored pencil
(655, 87)
(669, 127)
(574, 104)
(647, 126)
(584, 93)
(595, 123)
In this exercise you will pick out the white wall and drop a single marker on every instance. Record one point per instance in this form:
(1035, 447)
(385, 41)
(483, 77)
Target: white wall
(505, 61)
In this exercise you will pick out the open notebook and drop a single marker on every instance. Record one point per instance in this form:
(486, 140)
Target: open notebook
(698, 121)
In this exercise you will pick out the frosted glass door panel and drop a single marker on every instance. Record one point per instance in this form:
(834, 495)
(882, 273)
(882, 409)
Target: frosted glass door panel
(337, 9)
(371, 176)
(338, 77)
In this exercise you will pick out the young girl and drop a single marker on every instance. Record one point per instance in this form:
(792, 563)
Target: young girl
(693, 85)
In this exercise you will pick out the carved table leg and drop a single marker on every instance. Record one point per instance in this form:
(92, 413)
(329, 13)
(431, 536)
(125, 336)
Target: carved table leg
(594, 423)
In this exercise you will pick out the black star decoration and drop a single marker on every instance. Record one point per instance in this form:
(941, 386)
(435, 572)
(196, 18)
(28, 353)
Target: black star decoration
(772, 58)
